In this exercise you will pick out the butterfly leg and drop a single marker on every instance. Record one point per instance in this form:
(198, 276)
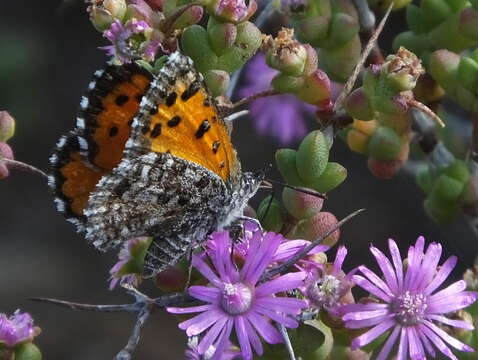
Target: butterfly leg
(251, 219)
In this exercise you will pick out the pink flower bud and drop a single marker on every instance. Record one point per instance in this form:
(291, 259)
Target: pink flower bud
(7, 153)
(384, 169)
(317, 226)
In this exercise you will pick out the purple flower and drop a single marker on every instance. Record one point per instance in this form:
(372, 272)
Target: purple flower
(131, 41)
(326, 286)
(130, 265)
(236, 300)
(16, 329)
(409, 306)
(280, 116)
(192, 352)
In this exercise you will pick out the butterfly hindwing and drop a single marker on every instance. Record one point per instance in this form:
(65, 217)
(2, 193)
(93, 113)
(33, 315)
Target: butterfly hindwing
(96, 146)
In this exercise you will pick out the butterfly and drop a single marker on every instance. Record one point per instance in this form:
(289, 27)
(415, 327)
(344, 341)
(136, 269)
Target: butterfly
(150, 156)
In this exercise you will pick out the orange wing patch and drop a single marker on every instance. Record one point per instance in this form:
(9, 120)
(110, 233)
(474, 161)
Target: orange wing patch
(188, 126)
(95, 147)
(178, 116)
(79, 181)
(112, 125)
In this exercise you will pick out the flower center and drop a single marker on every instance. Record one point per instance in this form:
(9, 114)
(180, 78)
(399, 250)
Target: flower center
(325, 292)
(409, 308)
(236, 298)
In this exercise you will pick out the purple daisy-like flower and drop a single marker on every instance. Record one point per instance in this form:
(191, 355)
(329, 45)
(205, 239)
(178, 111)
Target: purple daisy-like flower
(236, 300)
(131, 41)
(280, 116)
(410, 307)
(16, 329)
(128, 269)
(327, 285)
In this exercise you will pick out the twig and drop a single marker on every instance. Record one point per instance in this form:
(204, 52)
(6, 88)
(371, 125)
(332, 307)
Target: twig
(135, 336)
(427, 110)
(351, 80)
(89, 307)
(285, 336)
(279, 269)
(248, 99)
(22, 166)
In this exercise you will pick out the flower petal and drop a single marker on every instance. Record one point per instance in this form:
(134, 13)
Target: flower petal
(435, 339)
(212, 335)
(205, 270)
(455, 323)
(205, 293)
(441, 275)
(402, 345)
(371, 334)
(253, 337)
(268, 332)
(447, 338)
(201, 322)
(283, 304)
(428, 267)
(387, 269)
(273, 315)
(415, 345)
(189, 310)
(243, 338)
(371, 288)
(397, 262)
(285, 282)
(383, 355)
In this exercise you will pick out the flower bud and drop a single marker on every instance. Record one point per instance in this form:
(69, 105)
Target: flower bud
(270, 214)
(284, 53)
(403, 70)
(172, 279)
(459, 171)
(312, 61)
(384, 169)
(234, 11)
(443, 67)
(286, 163)
(312, 156)
(140, 10)
(316, 89)
(7, 153)
(249, 39)
(27, 351)
(217, 81)
(468, 73)
(191, 16)
(358, 105)
(447, 188)
(7, 126)
(222, 36)
(333, 175)
(104, 12)
(384, 144)
(317, 226)
(301, 205)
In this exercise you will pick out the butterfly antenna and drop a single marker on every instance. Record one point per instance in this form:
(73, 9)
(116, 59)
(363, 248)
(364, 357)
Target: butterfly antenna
(299, 189)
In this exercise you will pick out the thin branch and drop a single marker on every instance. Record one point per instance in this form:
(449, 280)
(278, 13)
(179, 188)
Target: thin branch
(287, 343)
(351, 81)
(88, 307)
(248, 99)
(22, 166)
(279, 269)
(133, 341)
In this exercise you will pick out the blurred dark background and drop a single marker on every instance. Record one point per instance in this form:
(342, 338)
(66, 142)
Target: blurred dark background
(48, 52)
